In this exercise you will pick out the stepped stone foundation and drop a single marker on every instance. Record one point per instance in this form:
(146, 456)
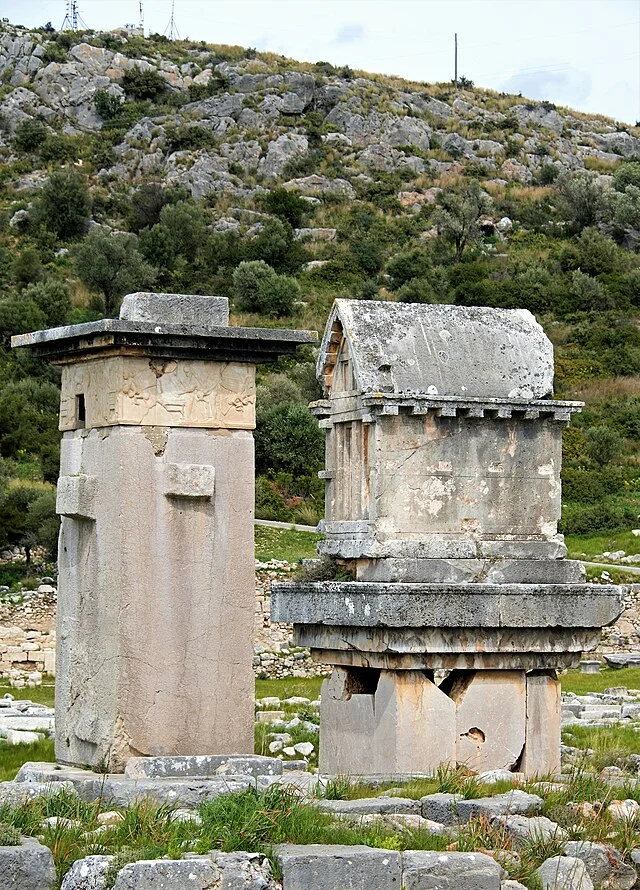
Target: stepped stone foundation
(156, 495)
(443, 460)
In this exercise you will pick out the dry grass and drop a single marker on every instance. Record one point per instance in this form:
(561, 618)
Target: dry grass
(604, 388)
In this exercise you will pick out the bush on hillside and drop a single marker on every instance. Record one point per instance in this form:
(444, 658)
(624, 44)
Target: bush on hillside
(64, 204)
(141, 85)
(257, 287)
(112, 266)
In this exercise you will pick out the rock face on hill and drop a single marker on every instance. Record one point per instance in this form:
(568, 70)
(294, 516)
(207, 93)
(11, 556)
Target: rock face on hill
(265, 118)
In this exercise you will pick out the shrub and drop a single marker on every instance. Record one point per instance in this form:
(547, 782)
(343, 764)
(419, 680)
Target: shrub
(288, 439)
(285, 204)
(581, 199)
(547, 174)
(140, 85)
(64, 204)
(258, 288)
(113, 266)
(29, 135)
(417, 291)
(604, 444)
(107, 104)
(408, 264)
(592, 252)
(147, 203)
(580, 519)
(626, 174)
(52, 297)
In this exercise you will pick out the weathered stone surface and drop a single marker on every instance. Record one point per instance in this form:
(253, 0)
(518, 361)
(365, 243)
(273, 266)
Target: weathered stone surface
(370, 720)
(168, 874)
(471, 571)
(541, 755)
(442, 350)
(604, 865)
(89, 873)
(20, 791)
(176, 309)
(516, 801)
(27, 867)
(441, 807)
(244, 871)
(354, 604)
(449, 871)
(490, 717)
(367, 805)
(199, 766)
(118, 711)
(533, 828)
(337, 867)
(564, 873)
(134, 391)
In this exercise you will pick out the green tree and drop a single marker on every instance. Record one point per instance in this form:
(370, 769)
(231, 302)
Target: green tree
(147, 203)
(457, 215)
(626, 174)
(258, 288)
(112, 266)
(140, 85)
(287, 205)
(288, 439)
(408, 264)
(52, 297)
(29, 135)
(580, 199)
(63, 205)
(107, 104)
(604, 444)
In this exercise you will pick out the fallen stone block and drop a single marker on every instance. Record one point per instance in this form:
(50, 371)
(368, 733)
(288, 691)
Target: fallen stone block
(371, 805)
(335, 867)
(17, 793)
(564, 873)
(183, 767)
(604, 865)
(168, 874)
(449, 871)
(28, 866)
(532, 828)
(21, 737)
(244, 871)
(89, 873)
(440, 807)
(514, 802)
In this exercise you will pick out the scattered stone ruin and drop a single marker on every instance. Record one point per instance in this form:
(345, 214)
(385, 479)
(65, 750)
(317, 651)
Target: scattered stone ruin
(443, 458)
(156, 494)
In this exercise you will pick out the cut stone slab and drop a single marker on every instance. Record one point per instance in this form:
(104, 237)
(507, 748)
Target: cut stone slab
(335, 867)
(490, 717)
(168, 874)
(371, 721)
(89, 873)
(449, 871)
(604, 865)
(28, 866)
(120, 790)
(176, 309)
(371, 805)
(244, 871)
(541, 756)
(511, 802)
(534, 828)
(207, 766)
(564, 873)
(359, 604)
(16, 793)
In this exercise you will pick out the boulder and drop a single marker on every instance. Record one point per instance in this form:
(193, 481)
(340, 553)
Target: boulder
(169, 874)
(89, 873)
(564, 873)
(449, 871)
(28, 866)
(334, 867)
(604, 865)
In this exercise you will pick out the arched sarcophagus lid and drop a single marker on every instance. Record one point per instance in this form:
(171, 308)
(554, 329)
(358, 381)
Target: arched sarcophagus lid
(440, 351)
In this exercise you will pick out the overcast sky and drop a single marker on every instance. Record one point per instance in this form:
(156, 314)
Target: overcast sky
(580, 53)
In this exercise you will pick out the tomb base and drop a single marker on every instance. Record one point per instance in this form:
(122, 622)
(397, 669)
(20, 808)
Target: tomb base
(377, 721)
(499, 705)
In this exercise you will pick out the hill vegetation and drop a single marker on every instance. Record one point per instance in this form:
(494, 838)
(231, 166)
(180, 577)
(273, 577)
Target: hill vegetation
(129, 163)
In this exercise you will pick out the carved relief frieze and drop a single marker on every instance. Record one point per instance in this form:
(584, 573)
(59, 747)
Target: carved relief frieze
(139, 391)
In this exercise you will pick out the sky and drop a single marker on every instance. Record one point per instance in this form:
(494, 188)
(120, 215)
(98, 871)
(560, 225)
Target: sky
(580, 53)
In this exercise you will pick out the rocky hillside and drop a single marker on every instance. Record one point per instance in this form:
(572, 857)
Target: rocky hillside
(128, 163)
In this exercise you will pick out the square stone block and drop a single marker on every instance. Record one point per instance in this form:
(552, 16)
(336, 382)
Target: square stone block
(542, 733)
(189, 481)
(384, 722)
(76, 496)
(490, 717)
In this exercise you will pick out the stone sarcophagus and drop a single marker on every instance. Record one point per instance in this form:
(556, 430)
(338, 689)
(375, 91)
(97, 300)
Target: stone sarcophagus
(156, 494)
(443, 459)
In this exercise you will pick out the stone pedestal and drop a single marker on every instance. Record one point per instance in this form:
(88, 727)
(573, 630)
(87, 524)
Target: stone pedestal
(443, 496)
(156, 495)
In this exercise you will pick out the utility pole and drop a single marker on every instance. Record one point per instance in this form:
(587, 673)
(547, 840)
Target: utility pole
(455, 76)
(72, 17)
(171, 27)
(141, 25)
